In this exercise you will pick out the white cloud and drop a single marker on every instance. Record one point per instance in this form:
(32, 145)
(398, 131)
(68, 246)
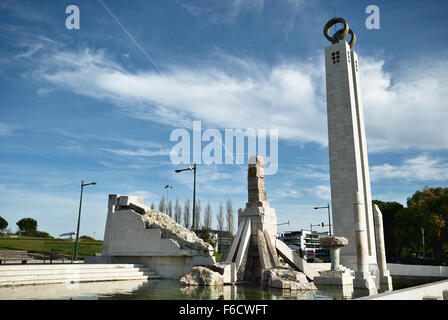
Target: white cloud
(5, 129)
(43, 92)
(421, 168)
(216, 179)
(148, 196)
(406, 110)
(138, 152)
(406, 113)
(321, 191)
(285, 193)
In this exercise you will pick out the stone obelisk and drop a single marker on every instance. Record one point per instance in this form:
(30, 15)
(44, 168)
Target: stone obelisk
(253, 248)
(349, 168)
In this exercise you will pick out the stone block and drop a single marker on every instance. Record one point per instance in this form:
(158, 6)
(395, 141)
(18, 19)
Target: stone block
(364, 280)
(256, 161)
(227, 270)
(202, 276)
(343, 277)
(263, 251)
(333, 242)
(285, 278)
(255, 172)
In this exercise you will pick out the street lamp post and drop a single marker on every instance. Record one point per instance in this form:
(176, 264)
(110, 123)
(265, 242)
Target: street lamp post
(423, 234)
(329, 220)
(167, 187)
(75, 255)
(194, 189)
(423, 239)
(313, 225)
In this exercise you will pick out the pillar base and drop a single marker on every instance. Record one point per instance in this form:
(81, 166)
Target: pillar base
(386, 282)
(342, 277)
(364, 280)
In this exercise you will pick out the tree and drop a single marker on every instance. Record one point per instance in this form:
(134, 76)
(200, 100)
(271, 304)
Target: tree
(3, 224)
(229, 216)
(197, 219)
(162, 205)
(220, 217)
(390, 211)
(170, 208)
(187, 214)
(207, 236)
(177, 212)
(27, 225)
(208, 217)
(426, 209)
(429, 208)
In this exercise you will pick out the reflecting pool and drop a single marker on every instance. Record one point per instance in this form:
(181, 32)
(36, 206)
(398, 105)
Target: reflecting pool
(165, 289)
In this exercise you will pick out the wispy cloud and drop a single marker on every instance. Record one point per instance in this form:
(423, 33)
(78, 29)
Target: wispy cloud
(250, 94)
(5, 129)
(322, 192)
(20, 11)
(96, 137)
(223, 12)
(216, 179)
(138, 152)
(420, 168)
(231, 99)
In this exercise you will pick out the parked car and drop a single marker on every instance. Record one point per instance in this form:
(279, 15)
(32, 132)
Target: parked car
(309, 256)
(295, 248)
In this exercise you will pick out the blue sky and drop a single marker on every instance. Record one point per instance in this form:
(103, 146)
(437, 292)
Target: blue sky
(100, 103)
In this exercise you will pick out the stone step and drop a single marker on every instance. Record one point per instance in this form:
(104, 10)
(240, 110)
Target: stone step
(39, 276)
(67, 266)
(55, 271)
(55, 281)
(75, 277)
(59, 273)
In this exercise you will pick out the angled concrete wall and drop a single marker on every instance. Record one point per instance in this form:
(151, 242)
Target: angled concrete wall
(136, 234)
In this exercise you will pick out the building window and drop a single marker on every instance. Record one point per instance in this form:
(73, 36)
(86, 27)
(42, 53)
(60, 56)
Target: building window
(335, 57)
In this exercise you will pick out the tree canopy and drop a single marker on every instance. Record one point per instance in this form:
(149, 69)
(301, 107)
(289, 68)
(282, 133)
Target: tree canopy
(27, 224)
(426, 209)
(3, 223)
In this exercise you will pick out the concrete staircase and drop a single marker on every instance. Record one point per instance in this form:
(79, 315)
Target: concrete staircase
(14, 275)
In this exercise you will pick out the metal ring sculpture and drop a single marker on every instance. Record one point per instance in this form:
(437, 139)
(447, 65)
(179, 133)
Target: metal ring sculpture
(340, 34)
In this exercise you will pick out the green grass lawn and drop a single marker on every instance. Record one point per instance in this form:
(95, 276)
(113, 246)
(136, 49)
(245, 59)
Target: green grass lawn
(40, 247)
(218, 256)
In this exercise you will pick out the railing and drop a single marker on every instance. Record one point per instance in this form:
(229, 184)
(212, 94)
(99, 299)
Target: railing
(61, 254)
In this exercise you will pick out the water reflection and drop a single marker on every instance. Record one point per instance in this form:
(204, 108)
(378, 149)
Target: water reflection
(335, 292)
(165, 289)
(172, 290)
(91, 290)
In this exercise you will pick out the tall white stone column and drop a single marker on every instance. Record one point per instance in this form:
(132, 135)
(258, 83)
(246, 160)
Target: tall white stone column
(349, 168)
(363, 278)
(384, 274)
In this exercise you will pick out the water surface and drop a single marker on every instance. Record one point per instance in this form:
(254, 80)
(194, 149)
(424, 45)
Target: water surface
(166, 289)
